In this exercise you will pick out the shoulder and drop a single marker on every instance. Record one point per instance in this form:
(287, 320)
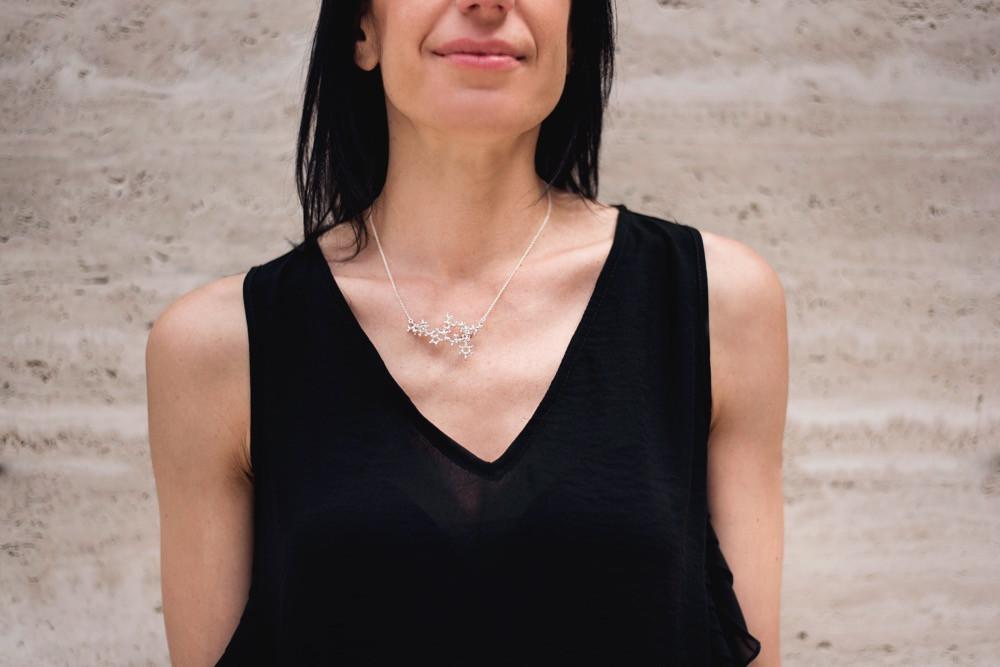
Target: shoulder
(740, 280)
(204, 325)
(196, 355)
(747, 318)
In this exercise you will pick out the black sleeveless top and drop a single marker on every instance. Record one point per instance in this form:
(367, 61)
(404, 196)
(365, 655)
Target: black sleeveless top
(378, 539)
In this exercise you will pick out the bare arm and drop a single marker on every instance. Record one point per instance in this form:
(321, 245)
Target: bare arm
(748, 337)
(198, 405)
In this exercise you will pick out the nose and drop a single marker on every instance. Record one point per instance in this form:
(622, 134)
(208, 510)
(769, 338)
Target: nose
(490, 7)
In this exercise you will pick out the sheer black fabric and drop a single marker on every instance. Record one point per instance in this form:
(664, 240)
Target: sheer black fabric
(378, 539)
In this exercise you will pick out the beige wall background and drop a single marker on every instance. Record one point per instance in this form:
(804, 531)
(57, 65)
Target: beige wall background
(147, 149)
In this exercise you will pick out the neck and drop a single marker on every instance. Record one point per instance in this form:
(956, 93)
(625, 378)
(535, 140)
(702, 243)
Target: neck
(451, 211)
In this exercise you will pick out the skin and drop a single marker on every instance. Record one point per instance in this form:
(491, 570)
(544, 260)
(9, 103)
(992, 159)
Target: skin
(457, 213)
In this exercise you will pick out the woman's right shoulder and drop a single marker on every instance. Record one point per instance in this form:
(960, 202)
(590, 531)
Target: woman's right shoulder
(208, 325)
(198, 410)
(206, 322)
(198, 347)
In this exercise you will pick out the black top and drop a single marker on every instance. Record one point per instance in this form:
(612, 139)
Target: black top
(378, 539)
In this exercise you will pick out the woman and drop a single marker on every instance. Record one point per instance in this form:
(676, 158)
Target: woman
(353, 469)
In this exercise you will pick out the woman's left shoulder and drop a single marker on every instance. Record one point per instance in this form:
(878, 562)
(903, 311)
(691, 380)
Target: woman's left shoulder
(742, 283)
(748, 328)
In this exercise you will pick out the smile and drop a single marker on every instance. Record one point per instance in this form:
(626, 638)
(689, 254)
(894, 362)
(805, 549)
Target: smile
(494, 61)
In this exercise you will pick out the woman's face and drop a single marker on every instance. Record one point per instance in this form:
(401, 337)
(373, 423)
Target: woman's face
(461, 94)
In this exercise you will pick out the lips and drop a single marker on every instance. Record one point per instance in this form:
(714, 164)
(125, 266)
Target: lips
(480, 48)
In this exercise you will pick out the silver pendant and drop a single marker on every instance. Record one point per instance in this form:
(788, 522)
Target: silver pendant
(453, 331)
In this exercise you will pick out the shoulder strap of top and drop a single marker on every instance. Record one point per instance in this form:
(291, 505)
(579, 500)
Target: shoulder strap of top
(273, 292)
(255, 355)
(702, 331)
(678, 257)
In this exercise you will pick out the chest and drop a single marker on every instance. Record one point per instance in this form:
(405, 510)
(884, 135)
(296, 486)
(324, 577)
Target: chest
(484, 403)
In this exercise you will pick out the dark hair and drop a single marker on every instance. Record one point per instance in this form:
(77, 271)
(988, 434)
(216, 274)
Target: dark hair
(343, 138)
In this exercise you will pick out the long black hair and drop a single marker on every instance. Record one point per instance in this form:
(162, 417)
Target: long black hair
(343, 143)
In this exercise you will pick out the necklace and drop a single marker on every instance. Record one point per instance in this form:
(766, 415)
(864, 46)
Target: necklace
(453, 330)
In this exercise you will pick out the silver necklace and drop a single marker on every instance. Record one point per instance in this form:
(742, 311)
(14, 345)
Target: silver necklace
(453, 330)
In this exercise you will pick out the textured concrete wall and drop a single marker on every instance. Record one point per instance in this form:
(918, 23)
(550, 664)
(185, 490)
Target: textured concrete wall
(147, 149)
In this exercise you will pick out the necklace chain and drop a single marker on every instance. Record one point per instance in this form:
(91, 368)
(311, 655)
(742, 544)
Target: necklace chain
(453, 330)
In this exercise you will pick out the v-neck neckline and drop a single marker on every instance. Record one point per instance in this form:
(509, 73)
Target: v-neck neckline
(440, 440)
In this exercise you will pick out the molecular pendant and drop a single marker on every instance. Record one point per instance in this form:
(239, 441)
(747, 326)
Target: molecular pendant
(453, 331)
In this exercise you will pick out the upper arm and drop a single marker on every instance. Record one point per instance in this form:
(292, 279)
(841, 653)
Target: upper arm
(198, 405)
(749, 358)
